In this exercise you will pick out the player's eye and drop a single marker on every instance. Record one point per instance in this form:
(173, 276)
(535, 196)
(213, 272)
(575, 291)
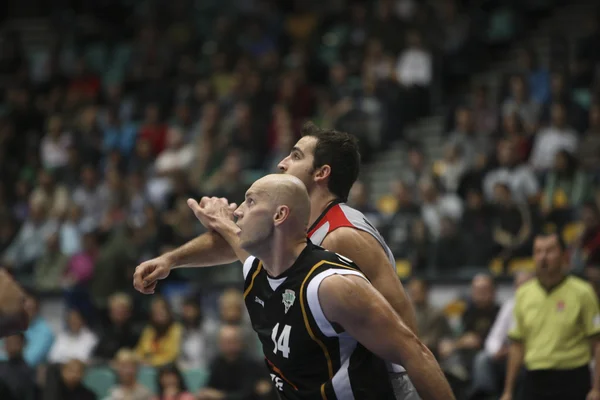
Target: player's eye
(295, 156)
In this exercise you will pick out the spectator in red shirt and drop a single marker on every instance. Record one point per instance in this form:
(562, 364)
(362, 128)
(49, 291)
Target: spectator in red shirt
(153, 129)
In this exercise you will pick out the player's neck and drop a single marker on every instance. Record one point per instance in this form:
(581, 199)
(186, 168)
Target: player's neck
(319, 200)
(282, 254)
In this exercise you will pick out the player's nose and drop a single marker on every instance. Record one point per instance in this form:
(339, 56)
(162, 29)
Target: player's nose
(282, 166)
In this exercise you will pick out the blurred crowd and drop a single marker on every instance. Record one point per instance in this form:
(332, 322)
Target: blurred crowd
(129, 108)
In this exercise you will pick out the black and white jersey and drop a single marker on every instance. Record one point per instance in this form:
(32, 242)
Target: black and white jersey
(309, 357)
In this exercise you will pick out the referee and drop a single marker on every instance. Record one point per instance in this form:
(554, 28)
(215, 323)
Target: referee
(555, 331)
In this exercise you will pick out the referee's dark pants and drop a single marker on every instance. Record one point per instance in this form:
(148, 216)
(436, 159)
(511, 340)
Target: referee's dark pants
(554, 384)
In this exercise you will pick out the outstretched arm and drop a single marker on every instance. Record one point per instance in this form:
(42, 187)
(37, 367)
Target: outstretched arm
(367, 253)
(353, 303)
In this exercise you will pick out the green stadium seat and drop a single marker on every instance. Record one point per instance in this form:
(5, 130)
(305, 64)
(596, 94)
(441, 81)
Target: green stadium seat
(147, 377)
(195, 379)
(99, 380)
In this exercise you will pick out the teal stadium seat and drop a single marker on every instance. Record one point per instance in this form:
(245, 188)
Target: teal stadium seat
(195, 379)
(147, 377)
(99, 380)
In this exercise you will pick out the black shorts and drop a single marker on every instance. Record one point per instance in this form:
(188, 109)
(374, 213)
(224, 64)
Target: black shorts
(554, 384)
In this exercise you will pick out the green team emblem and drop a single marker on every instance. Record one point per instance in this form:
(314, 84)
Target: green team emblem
(289, 296)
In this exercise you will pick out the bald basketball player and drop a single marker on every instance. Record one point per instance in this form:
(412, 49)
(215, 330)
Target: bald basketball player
(328, 163)
(13, 316)
(324, 329)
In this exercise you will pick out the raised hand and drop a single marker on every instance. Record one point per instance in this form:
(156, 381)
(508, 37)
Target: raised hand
(212, 210)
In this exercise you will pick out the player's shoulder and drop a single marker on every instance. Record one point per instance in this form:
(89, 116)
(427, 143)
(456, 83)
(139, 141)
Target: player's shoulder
(527, 287)
(579, 285)
(329, 258)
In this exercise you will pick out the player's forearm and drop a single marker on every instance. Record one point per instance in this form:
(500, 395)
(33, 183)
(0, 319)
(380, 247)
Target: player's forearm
(207, 249)
(515, 361)
(425, 372)
(229, 231)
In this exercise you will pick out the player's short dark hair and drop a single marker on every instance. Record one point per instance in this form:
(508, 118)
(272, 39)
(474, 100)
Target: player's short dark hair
(340, 151)
(559, 239)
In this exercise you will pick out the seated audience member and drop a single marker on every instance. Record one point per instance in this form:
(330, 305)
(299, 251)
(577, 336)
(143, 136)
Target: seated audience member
(567, 187)
(586, 249)
(195, 352)
(476, 225)
(232, 311)
(589, 148)
(76, 341)
(126, 364)
(490, 363)
(451, 247)
(171, 385)
(69, 384)
(231, 362)
(39, 336)
(160, 342)
(431, 323)
(512, 225)
(549, 141)
(397, 231)
(457, 355)
(359, 199)
(120, 331)
(15, 373)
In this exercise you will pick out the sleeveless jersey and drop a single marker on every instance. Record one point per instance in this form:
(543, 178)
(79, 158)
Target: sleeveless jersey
(338, 215)
(308, 357)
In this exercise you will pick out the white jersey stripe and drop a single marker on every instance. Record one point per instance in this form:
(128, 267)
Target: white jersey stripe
(312, 298)
(341, 380)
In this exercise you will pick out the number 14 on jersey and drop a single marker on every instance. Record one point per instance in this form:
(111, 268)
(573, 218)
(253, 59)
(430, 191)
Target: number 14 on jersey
(283, 342)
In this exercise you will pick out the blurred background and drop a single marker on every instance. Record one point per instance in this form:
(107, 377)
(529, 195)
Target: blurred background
(479, 125)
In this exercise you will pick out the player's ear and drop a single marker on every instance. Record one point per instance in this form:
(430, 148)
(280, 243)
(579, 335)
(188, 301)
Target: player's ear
(281, 214)
(322, 172)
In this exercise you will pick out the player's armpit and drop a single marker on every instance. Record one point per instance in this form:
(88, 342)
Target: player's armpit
(353, 303)
(367, 253)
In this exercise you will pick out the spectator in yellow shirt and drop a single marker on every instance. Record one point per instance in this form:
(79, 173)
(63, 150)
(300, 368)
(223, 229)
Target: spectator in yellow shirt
(160, 342)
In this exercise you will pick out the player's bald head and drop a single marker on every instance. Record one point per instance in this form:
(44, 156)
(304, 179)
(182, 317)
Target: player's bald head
(285, 190)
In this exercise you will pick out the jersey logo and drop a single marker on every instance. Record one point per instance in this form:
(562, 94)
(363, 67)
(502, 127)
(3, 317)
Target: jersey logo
(289, 296)
(259, 301)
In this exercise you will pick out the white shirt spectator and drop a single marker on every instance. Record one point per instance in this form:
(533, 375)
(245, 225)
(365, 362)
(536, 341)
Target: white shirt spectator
(549, 142)
(69, 346)
(520, 179)
(414, 67)
(498, 335)
(174, 159)
(448, 205)
(54, 153)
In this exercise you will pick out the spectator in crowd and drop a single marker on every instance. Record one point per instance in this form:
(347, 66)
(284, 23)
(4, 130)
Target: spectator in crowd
(476, 225)
(521, 103)
(549, 141)
(71, 231)
(417, 169)
(54, 146)
(398, 229)
(457, 355)
(586, 57)
(469, 142)
(451, 247)
(51, 266)
(589, 148)
(30, 242)
(485, 116)
(15, 373)
(51, 193)
(69, 384)
(512, 225)
(586, 248)
(231, 362)
(160, 342)
(171, 385)
(538, 78)
(195, 352)
(120, 331)
(512, 130)
(567, 187)
(490, 364)
(126, 364)
(432, 325)
(451, 168)
(359, 199)
(76, 341)
(518, 177)
(555, 321)
(436, 205)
